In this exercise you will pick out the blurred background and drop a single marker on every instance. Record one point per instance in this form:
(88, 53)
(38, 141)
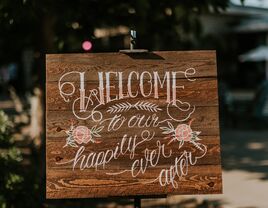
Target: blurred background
(237, 29)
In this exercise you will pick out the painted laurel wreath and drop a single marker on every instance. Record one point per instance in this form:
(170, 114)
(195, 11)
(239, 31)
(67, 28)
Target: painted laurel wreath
(140, 105)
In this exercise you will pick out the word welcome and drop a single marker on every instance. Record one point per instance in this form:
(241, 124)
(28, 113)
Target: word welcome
(102, 94)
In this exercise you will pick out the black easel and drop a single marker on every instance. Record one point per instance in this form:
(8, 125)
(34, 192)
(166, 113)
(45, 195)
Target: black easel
(133, 36)
(137, 202)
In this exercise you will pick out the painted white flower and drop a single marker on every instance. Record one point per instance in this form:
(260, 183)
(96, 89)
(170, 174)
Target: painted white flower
(82, 134)
(182, 133)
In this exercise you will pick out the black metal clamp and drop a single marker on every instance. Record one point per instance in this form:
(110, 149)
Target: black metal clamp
(133, 38)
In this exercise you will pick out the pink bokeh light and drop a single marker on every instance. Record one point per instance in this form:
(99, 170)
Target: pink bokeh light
(87, 45)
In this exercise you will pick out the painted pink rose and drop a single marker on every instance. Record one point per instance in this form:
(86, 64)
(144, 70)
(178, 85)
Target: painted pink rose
(183, 132)
(82, 134)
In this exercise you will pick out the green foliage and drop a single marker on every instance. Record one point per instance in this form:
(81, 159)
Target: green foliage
(14, 182)
(10, 158)
(61, 26)
(5, 126)
(4, 122)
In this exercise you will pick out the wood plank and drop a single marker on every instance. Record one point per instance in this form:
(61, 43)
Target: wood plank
(205, 120)
(89, 183)
(89, 158)
(57, 154)
(203, 61)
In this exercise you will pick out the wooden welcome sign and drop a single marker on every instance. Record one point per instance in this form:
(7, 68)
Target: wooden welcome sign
(137, 124)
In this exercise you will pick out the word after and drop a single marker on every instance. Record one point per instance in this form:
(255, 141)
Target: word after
(120, 125)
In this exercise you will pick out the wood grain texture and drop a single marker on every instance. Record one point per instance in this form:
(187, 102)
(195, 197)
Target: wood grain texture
(196, 162)
(202, 180)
